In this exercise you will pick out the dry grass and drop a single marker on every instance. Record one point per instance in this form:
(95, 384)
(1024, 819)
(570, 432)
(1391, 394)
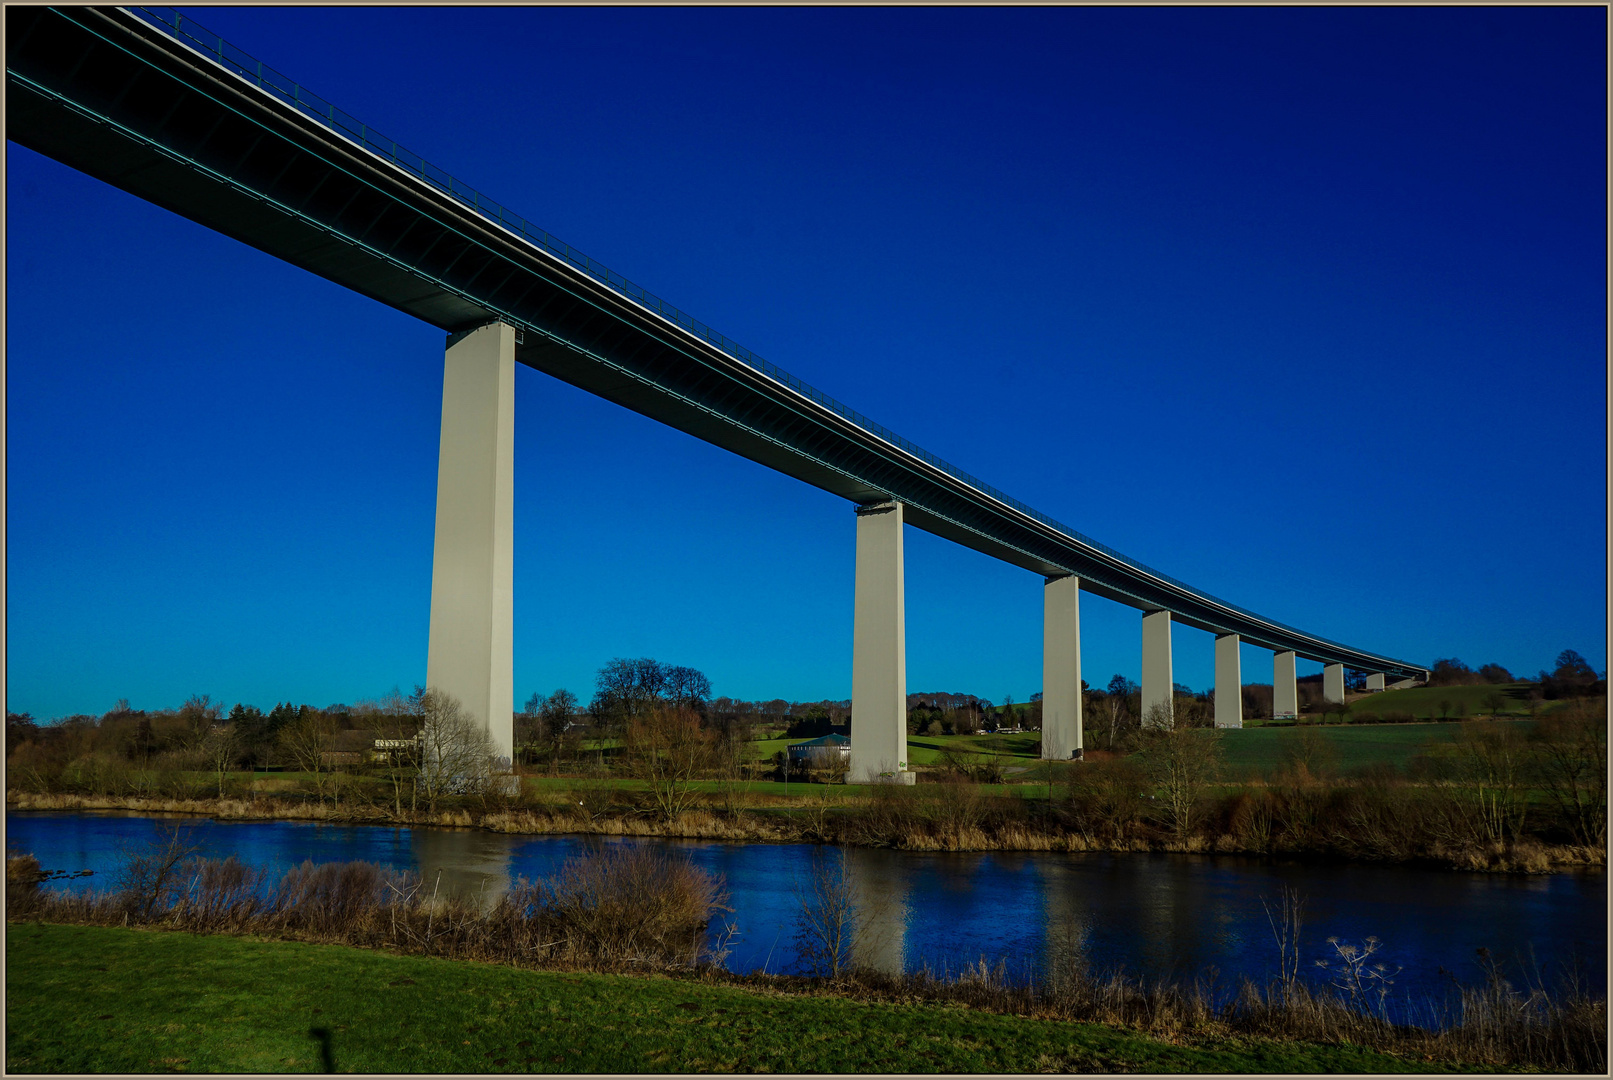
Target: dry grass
(1494, 1026)
(1367, 819)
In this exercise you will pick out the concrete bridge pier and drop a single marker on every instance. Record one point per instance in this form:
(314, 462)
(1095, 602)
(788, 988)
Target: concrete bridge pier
(879, 651)
(1333, 683)
(468, 655)
(1061, 668)
(1158, 687)
(1375, 681)
(1228, 682)
(1284, 686)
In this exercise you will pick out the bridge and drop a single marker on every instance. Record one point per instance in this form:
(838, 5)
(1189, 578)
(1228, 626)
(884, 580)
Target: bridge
(148, 101)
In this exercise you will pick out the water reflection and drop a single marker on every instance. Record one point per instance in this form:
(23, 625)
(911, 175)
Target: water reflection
(466, 863)
(1066, 926)
(880, 941)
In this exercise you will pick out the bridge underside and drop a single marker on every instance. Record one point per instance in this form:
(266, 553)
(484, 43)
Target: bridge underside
(110, 95)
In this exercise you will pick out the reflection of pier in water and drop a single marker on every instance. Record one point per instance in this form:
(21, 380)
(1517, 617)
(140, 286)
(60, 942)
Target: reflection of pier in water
(1066, 924)
(880, 885)
(472, 864)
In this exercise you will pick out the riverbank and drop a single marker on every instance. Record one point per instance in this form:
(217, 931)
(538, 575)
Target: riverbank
(946, 820)
(222, 1004)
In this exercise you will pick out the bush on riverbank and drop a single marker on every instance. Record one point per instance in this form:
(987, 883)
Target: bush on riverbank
(607, 909)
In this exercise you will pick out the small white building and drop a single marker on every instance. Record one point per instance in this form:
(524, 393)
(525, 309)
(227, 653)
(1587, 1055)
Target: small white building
(831, 751)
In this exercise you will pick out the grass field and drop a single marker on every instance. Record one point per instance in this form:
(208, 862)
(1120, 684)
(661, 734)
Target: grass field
(96, 999)
(1259, 752)
(1429, 702)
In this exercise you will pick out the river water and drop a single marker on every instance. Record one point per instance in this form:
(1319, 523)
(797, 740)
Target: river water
(1150, 915)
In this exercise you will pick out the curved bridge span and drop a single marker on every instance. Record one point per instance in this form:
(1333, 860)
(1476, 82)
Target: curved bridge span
(146, 100)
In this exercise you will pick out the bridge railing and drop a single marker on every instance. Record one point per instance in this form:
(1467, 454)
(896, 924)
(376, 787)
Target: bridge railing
(316, 108)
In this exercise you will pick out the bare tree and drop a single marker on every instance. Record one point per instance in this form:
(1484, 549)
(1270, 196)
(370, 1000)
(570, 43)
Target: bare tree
(456, 753)
(394, 728)
(670, 748)
(1112, 719)
(1572, 753)
(147, 877)
(1483, 775)
(1181, 761)
(309, 740)
(198, 714)
(737, 761)
(686, 687)
(826, 919)
(1309, 754)
(221, 745)
(1286, 924)
(625, 690)
(556, 714)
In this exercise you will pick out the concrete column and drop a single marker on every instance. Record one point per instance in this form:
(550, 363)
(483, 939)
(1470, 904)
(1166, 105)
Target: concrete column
(879, 657)
(1061, 669)
(1158, 686)
(1375, 681)
(1284, 687)
(472, 612)
(1228, 682)
(1333, 683)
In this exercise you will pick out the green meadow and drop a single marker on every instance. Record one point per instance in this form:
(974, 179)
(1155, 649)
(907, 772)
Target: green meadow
(84, 999)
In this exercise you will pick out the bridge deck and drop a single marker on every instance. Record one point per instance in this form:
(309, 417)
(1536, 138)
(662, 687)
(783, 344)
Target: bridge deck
(150, 103)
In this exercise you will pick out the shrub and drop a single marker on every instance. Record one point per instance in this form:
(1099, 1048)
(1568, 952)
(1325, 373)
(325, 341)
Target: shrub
(23, 876)
(331, 898)
(222, 894)
(671, 748)
(827, 902)
(626, 902)
(1570, 752)
(1252, 819)
(891, 814)
(1180, 762)
(148, 881)
(1107, 793)
(954, 806)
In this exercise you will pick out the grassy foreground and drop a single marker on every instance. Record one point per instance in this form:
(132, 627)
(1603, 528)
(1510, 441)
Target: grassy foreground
(99, 999)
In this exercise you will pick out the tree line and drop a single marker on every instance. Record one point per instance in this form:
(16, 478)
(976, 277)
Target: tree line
(639, 706)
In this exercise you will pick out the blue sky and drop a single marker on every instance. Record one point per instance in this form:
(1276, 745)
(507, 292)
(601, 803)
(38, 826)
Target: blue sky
(1306, 307)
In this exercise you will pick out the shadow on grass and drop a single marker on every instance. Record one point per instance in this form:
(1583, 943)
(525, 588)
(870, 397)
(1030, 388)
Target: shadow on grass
(326, 1056)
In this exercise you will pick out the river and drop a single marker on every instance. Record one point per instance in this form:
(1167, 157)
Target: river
(1150, 915)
